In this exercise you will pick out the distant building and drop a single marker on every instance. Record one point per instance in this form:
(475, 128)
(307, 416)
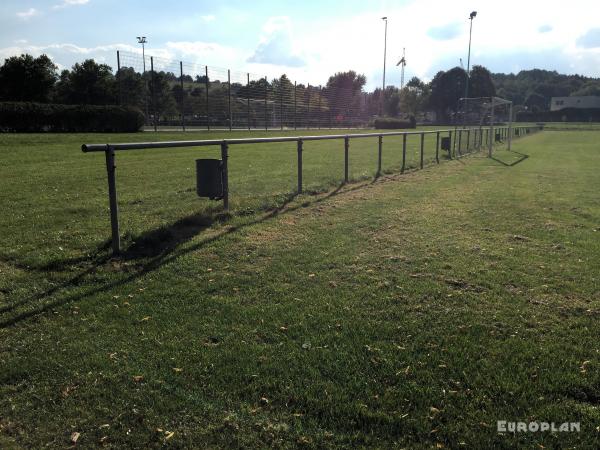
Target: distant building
(586, 102)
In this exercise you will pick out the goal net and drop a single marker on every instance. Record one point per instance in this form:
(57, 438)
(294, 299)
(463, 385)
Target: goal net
(491, 117)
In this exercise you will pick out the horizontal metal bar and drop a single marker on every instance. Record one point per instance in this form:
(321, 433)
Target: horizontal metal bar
(87, 148)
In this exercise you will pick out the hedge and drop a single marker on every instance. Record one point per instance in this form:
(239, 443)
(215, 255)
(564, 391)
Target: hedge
(382, 123)
(42, 117)
(562, 115)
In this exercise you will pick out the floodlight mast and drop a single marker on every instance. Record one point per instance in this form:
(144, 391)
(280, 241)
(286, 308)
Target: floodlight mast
(142, 40)
(471, 17)
(384, 60)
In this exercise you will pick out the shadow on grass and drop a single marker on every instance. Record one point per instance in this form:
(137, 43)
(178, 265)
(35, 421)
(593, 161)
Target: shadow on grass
(151, 250)
(522, 157)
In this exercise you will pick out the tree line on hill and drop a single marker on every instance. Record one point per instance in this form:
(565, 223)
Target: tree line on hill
(36, 79)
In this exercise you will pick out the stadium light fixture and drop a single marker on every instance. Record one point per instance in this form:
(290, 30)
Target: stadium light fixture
(384, 60)
(142, 40)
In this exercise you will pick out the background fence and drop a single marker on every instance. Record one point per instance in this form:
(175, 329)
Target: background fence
(181, 94)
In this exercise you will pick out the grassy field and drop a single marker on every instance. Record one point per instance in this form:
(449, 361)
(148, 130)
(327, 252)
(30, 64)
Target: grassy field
(412, 311)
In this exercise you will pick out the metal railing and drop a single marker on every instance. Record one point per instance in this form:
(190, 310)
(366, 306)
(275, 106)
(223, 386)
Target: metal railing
(462, 141)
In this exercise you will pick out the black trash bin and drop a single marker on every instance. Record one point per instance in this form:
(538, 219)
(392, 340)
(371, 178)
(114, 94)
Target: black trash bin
(209, 178)
(446, 144)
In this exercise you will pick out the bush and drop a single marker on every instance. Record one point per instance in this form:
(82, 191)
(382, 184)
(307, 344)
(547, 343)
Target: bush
(41, 117)
(387, 123)
(562, 115)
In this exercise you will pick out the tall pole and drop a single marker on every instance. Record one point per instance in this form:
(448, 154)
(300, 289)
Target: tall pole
(384, 61)
(471, 17)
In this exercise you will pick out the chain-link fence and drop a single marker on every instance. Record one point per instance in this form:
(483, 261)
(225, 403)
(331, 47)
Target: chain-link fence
(180, 94)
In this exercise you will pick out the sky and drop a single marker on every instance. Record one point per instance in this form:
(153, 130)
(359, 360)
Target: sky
(310, 40)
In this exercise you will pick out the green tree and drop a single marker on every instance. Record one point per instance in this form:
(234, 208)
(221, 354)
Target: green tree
(25, 78)
(88, 83)
(446, 90)
(480, 83)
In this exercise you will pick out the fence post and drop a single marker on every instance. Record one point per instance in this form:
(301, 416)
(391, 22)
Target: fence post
(422, 147)
(379, 155)
(468, 139)
(119, 78)
(299, 166)
(280, 104)
(182, 95)
(460, 142)
(153, 93)
(295, 104)
(437, 147)
(346, 148)
(248, 99)
(229, 98)
(308, 108)
(403, 153)
(450, 137)
(319, 114)
(453, 146)
(207, 104)
(112, 199)
(224, 157)
(266, 112)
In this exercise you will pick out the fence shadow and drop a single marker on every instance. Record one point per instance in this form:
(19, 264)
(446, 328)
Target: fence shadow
(150, 251)
(522, 157)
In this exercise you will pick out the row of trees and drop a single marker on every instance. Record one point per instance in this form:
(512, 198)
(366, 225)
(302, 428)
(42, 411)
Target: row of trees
(164, 94)
(535, 88)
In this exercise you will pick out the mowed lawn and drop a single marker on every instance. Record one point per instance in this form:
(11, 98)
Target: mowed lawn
(414, 311)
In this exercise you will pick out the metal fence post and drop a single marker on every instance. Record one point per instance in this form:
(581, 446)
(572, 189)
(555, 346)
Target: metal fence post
(379, 155)
(207, 101)
(266, 112)
(468, 139)
(280, 104)
(229, 98)
(308, 108)
(450, 137)
(224, 157)
(346, 148)
(437, 147)
(153, 92)
(248, 99)
(422, 148)
(319, 113)
(299, 148)
(120, 95)
(460, 142)
(112, 199)
(403, 153)
(182, 95)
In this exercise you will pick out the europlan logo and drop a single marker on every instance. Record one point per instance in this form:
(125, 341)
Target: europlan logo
(505, 426)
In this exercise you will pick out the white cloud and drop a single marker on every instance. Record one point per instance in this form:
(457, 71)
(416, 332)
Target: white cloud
(26, 15)
(277, 45)
(208, 18)
(67, 3)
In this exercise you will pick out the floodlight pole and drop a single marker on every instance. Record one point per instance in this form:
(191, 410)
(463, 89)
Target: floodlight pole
(384, 61)
(471, 17)
(142, 40)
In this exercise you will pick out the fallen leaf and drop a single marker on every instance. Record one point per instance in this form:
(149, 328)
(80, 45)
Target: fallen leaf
(138, 378)
(177, 369)
(169, 435)
(145, 319)
(75, 437)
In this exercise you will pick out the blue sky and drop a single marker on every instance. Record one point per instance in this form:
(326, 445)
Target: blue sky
(312, 39)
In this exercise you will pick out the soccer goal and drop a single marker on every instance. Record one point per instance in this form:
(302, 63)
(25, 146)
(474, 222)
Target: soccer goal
(492, 114)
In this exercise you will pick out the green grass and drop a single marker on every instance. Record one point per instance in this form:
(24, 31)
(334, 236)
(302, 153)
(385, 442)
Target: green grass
(414, 311)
